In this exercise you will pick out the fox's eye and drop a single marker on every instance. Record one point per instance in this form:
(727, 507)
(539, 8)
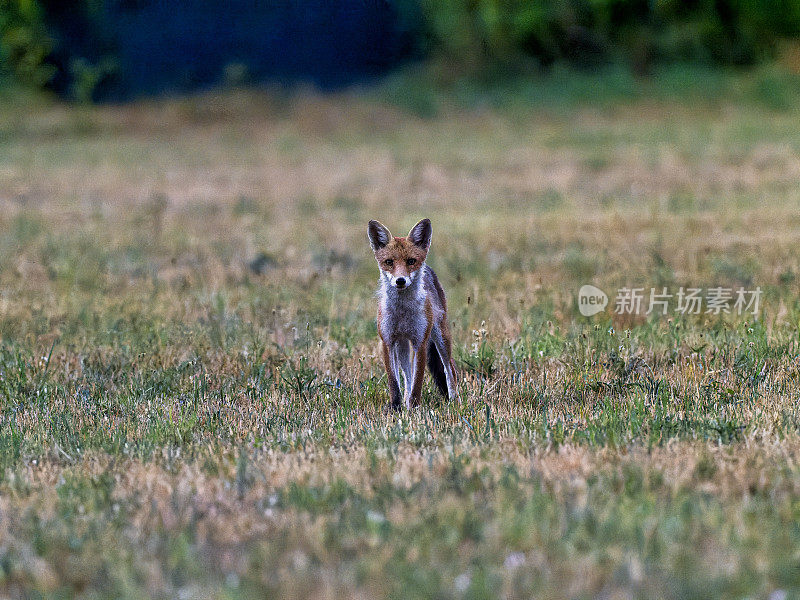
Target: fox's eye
(411, 262)
(388, 262)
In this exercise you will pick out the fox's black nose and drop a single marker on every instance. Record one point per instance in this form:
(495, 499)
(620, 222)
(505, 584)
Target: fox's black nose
(401, 282)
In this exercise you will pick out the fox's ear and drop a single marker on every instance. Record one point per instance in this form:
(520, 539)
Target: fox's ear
(378, 235)
(420, 234)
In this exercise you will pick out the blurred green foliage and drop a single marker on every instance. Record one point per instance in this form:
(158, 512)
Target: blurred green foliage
(483, 33)
(482, 36)
(24, 43)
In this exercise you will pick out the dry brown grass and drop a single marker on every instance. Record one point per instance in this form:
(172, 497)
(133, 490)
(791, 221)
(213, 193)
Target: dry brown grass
(212, 426)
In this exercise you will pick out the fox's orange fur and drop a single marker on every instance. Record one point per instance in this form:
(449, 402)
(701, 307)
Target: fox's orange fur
(412, 314)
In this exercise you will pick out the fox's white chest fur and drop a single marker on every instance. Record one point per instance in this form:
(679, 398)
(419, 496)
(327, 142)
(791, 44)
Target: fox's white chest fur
(403, 315)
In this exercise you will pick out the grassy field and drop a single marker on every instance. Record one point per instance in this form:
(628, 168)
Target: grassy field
(192, 404)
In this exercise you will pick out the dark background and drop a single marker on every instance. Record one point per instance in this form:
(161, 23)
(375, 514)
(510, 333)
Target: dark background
(120, 49)
(162, 46)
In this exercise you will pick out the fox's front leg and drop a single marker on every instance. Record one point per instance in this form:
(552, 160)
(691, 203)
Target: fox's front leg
(391, 375)
(420, 359)
(401, 354)
(421, 356)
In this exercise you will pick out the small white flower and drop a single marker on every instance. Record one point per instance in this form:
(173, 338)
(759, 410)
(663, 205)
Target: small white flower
(461, 582)
(514, 560)
(375, 517)
(299, 560)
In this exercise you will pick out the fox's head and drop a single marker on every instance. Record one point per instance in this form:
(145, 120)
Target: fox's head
(400, 258)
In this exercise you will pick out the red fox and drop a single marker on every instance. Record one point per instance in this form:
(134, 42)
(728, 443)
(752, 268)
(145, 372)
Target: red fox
(412, 314)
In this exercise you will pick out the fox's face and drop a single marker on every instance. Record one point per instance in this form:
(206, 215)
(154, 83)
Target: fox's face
(400, 258)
